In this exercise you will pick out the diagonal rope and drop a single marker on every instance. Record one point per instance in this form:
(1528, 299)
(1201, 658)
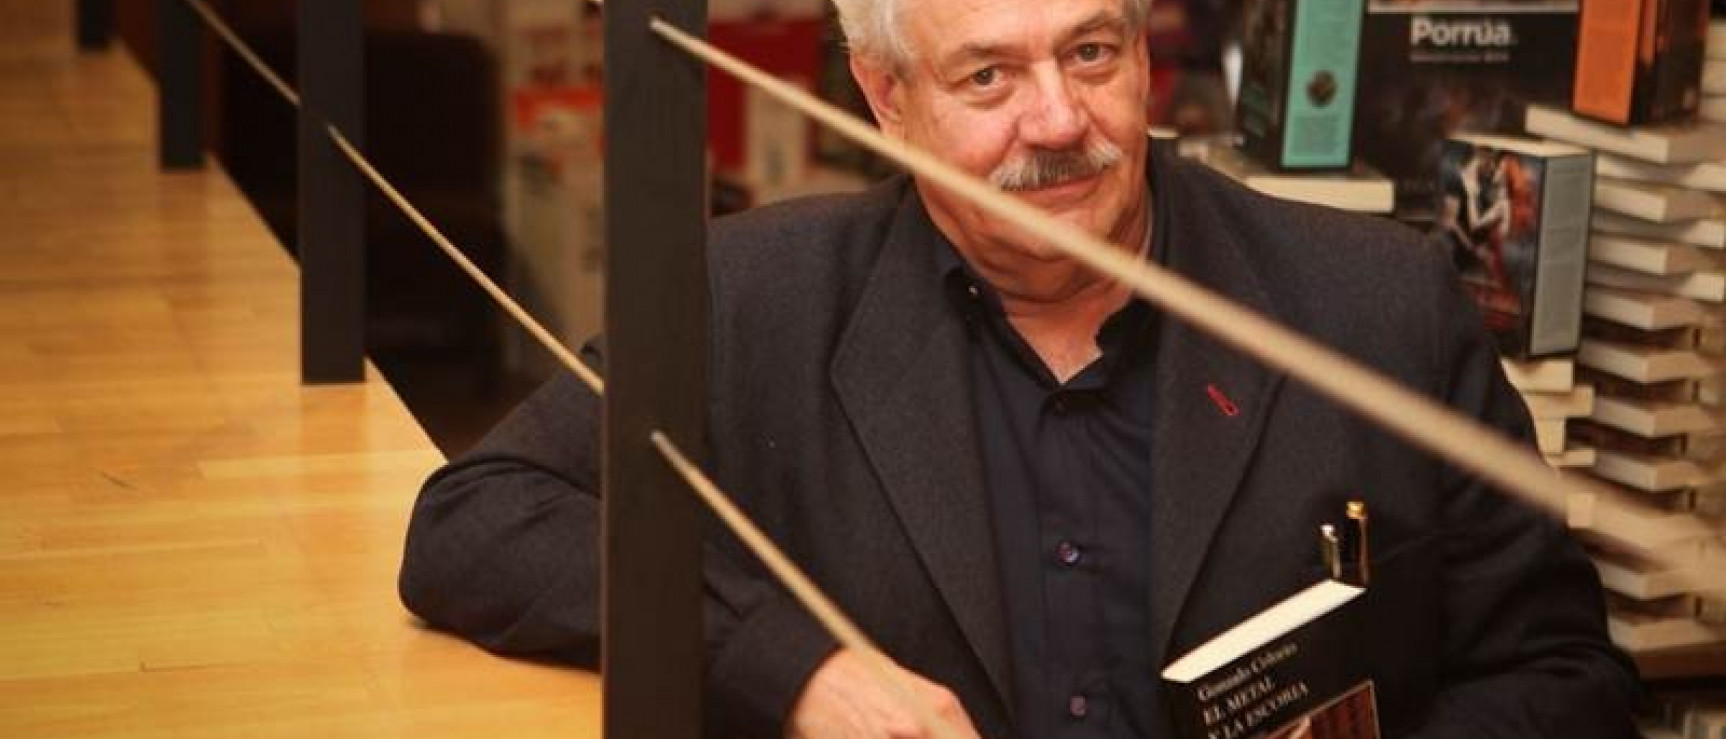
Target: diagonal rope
(801, 587)
(240, 47)
(563, 354)
(498, 295)
(1417, 419)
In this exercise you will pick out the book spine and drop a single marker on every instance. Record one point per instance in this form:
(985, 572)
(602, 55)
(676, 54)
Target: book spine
(1670, 56)
(1262, 111)
(1640, 61)
(1562, 255)
(1714, 77)
(1713, 108)
(1606, 58)
(1321, 84)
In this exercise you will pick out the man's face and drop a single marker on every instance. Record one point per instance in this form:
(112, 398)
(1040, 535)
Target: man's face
(1046, 97)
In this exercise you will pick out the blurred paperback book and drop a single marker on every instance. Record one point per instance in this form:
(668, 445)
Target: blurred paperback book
(1555, 375)
(1516, 212)
(1436, 68)
(1697, 175)
(1713, 109)
(1298, 81)
(1663, 143)
(1640, 61)
(1709, 232)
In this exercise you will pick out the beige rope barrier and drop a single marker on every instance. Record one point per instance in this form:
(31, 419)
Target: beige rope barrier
(801, 587)
(498, 295)
(563, 354)
(245, 51)
(1428, 424)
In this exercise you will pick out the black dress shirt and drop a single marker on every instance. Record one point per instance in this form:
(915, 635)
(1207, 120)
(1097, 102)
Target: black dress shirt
(1069, 472)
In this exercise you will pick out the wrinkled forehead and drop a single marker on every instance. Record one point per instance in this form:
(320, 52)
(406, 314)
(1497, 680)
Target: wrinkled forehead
(933, 28)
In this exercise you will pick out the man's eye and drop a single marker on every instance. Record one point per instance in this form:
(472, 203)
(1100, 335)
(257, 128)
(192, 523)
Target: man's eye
(984, 77)
(1090, 52)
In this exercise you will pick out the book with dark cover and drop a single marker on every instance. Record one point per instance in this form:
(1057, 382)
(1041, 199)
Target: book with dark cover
(1298, 82)
(1516, 212)
(1435, 68)
(1287, 671)
(1640, 61)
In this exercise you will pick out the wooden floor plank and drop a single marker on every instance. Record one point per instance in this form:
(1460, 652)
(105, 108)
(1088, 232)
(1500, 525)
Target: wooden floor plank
(193, 544)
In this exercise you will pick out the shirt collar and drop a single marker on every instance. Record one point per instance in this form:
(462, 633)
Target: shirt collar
(968, 291)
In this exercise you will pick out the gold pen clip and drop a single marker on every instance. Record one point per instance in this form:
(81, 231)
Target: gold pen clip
(1358, 553)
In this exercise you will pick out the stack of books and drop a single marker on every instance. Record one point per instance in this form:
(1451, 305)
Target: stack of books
(1714, 73)
(1515, 214)
(1653, 346)
(1555, 399)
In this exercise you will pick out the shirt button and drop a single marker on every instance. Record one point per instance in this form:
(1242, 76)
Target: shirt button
(1060, 405)
(972, 291)
(1078, 707)
(1068, 553)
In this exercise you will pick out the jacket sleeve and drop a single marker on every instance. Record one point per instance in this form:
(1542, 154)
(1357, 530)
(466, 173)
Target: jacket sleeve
(503, 544)
(1526, 648)
(503, 549)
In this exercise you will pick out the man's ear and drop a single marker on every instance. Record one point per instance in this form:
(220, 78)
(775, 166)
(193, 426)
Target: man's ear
(885, 93)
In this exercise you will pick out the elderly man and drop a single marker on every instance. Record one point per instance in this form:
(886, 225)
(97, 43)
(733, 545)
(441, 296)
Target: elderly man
(1031, 489)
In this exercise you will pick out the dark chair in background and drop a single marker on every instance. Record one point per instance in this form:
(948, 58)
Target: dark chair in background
(433, 129)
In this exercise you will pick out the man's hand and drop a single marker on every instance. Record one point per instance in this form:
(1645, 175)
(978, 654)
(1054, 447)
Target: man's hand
(846, 700)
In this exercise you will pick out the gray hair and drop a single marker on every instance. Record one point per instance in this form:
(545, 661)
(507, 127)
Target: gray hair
(872, 28)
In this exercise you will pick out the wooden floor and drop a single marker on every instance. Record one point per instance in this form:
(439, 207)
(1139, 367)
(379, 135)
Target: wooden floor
(191, 543)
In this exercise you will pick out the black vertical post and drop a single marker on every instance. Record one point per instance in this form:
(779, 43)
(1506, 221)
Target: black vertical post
(179, 85)
(332, 196)
(95, 24)
(656, 374)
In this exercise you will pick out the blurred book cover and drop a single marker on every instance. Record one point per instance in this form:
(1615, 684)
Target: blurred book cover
(1516, 212)
(1434, 68)
(1298, 82)
(1640, 61)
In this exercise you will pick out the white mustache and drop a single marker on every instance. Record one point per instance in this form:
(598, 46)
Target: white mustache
(1050, 167)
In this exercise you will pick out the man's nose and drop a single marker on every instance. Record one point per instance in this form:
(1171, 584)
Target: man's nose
(1057, 118)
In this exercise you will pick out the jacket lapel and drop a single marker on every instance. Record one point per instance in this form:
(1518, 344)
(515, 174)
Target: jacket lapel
(903, 377)
(1212, 403)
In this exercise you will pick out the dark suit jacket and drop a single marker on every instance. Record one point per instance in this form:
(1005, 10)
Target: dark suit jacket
(841, 418)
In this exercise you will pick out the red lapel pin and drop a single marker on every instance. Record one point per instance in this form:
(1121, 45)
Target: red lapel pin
(1225, 405)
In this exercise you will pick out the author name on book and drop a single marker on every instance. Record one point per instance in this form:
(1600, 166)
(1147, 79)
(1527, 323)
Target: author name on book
(1244, 698)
